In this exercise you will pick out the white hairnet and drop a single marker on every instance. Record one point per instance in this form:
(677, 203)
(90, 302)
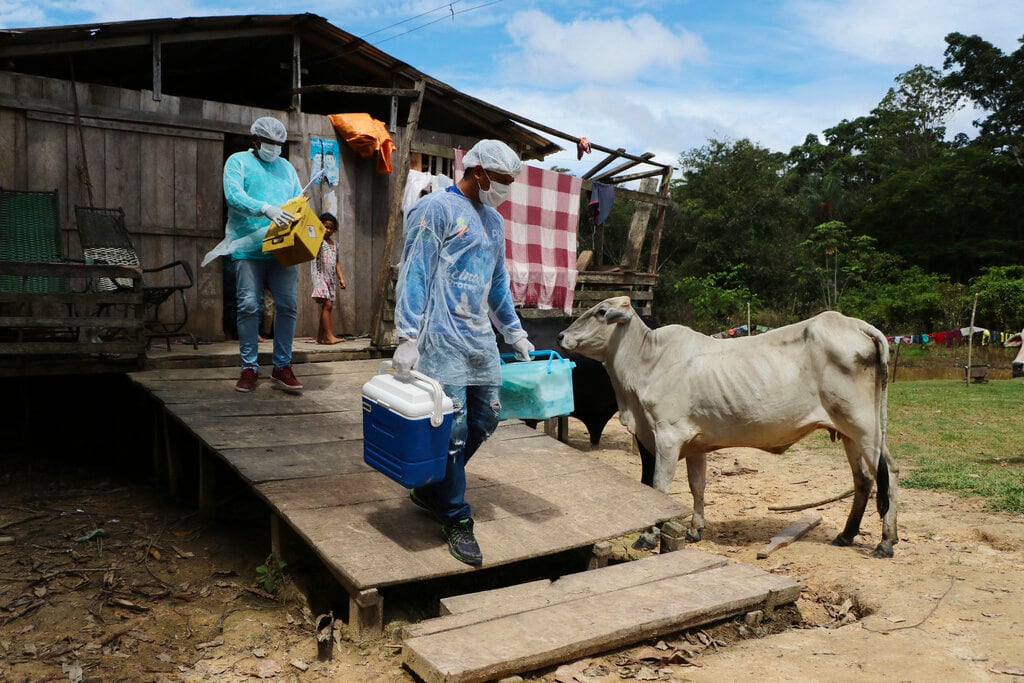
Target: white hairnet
(269, 127)
(493, 155)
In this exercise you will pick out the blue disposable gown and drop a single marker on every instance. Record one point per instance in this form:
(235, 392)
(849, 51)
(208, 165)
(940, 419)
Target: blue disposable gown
(452, 284)
(249, 182)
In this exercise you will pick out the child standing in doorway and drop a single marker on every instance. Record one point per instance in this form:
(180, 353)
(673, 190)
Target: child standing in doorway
(323, 271)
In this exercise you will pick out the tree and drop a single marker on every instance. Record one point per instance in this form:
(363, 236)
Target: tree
(732, 209)
(839, 260)
(995, 82)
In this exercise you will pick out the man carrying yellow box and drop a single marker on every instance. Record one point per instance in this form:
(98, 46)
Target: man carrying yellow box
(257, 183)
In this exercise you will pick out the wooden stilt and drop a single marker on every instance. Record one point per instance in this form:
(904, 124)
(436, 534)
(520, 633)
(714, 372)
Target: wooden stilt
(207, 483)
(366, 613)
(600, 554)
(673, 536)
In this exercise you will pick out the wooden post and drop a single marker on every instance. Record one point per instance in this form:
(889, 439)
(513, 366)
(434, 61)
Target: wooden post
(673, 536)
(600, 554)
(401, 167)
(366, 614)
(638, 228)
(207, 483)
(970, 343)
(896, 362)
(659, 222)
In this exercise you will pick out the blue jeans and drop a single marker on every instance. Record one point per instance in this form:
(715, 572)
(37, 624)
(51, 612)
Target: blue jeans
(283, 282)
(474, 419)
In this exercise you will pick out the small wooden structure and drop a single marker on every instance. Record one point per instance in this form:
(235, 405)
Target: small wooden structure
(976, 374)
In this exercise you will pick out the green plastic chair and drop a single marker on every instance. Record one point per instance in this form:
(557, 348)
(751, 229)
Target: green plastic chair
(30, 232)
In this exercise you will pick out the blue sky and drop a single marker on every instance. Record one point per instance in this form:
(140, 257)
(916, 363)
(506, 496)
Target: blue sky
(662, 75)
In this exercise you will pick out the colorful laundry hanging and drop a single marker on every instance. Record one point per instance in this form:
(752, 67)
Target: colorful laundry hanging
(541, 217)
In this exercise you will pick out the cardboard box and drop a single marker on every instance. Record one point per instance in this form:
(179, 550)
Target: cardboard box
(300, 240)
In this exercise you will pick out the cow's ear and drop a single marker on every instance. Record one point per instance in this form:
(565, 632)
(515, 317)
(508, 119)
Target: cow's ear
(618, 315)
(1013, 341)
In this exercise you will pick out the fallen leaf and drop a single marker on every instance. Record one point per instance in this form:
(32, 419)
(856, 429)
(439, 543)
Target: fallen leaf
(259, 653)
(299, 664)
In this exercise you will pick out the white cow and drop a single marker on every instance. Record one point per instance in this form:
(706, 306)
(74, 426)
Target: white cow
(1017, 366)
(684, 394)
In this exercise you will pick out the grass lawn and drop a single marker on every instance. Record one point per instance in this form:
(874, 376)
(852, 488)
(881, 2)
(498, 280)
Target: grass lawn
(952, 436)
(949, 436)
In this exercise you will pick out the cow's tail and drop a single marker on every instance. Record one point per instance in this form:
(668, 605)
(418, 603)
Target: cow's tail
(882, 391)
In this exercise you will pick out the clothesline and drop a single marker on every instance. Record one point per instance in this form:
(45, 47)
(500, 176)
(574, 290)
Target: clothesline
(950, 338)
(954, 337)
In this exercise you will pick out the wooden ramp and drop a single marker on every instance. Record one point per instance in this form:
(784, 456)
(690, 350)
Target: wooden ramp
(532, 495)
(523, 628)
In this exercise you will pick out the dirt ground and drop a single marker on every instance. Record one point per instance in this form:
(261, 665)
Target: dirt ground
(103, 579)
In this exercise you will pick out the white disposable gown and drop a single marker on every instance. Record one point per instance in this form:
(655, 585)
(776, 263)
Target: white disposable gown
(452, 283)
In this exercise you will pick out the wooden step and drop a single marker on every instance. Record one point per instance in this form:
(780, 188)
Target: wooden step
(585, 613)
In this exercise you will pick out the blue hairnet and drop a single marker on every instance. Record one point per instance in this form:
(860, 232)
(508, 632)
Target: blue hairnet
(269, 127)
(493, 155)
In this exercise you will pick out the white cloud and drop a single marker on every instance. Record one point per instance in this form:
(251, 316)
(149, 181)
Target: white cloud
(907, 32)
(617, 50)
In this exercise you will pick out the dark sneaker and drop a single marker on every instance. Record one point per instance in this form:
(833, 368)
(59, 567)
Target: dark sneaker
(420, 501)
(462, 543)
(286, 379)
(247, 382)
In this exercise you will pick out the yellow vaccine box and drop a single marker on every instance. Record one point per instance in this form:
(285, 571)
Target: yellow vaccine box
(298, 241)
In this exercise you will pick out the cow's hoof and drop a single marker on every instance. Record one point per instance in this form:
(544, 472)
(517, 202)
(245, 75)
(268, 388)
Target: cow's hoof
(842, 541)
(648, 540)
(883, 550)
(694, 536)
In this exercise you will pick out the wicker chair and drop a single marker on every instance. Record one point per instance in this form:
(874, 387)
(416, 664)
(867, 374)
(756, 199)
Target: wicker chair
(105, 239)
(30, 233)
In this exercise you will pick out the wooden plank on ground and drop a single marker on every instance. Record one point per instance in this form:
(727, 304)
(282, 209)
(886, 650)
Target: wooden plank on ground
(542, 637)
(507, 596)
(789, 534)
(475, 608)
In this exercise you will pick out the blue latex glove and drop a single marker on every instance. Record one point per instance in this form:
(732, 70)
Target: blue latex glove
(277, 214)
(405, 358)
(522, 349)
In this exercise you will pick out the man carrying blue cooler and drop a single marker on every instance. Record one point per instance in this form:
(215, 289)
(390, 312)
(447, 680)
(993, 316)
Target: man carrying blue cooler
(452, 284)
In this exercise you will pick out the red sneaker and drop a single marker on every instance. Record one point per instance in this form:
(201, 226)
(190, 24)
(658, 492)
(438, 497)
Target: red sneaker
(247, 382)
(286, 379)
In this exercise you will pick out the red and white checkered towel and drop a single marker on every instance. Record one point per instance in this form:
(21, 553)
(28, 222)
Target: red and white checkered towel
(541, 216)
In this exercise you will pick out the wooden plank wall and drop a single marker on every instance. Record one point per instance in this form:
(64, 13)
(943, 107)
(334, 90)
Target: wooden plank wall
(162, 161)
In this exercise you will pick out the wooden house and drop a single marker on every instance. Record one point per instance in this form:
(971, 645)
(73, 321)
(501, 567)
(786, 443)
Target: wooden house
(141, 115)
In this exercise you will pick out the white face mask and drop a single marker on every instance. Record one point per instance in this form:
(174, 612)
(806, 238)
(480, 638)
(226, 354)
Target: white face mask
(268, 152)
(495, 194)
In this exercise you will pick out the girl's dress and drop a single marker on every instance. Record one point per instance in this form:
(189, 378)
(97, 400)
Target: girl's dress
(323, 270)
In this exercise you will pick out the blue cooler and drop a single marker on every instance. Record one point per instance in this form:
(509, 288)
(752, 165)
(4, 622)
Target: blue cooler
(538, 389)
(406, 427)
